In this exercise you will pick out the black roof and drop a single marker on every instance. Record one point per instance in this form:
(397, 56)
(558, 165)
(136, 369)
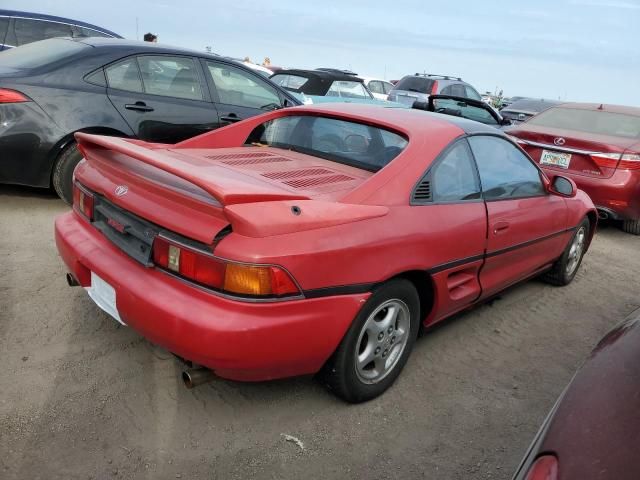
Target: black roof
(137, 45)
(320, 74)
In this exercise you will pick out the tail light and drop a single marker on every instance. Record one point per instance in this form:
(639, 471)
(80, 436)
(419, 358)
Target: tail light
(267, 281)
(544, 468)
(627, 161)
(83, 201)
(434, 88)
(11, 96)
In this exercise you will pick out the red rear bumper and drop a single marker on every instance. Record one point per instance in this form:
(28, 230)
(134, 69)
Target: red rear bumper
(619, 195)
(238, 340)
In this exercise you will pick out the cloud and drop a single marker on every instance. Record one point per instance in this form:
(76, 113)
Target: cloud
(607, 4)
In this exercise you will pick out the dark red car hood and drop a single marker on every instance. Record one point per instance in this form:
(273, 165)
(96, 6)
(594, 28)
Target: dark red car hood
(595, 429)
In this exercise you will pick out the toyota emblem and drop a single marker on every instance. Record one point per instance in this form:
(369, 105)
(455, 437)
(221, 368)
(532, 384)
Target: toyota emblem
(559, 141)
(121, 190)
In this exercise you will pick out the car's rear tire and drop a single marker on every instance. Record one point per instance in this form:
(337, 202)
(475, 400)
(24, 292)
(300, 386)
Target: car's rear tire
(631, 226)
(564, 270)
(62, 177)
(377, 345)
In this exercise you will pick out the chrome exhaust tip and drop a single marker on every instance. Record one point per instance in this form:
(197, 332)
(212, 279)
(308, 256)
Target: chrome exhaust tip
(71, 281)
(193, 377)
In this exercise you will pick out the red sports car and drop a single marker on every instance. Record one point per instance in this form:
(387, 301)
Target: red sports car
(314, 239)
(597, 146)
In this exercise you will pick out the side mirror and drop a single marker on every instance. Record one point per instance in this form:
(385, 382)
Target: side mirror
(505, 121)
(418, 105)
(563, 186)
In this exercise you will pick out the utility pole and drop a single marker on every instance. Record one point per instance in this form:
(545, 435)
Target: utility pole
(137, 36)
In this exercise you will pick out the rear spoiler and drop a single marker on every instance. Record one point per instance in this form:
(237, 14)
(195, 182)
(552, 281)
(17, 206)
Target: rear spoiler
(227, 186)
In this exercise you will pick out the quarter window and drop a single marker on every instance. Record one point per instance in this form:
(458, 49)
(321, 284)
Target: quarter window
(124, 76)
(505, 172)
(454, 177)
(237, 87)
(472, 94)
(170, 76)
(375, 86)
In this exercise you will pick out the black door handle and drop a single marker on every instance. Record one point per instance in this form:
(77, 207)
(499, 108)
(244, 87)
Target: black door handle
(139, 107)
(231, 118)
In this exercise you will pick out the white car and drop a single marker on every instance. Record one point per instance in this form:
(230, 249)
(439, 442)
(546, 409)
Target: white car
(379, 88)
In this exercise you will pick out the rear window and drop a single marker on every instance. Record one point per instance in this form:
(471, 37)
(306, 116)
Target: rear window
(347, 89)
(292, 82)
(415, 84)
(589, 121)
(362, 146)
(37, 54)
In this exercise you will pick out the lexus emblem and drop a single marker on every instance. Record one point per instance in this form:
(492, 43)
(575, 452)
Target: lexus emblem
(559, 141)
(121, 190)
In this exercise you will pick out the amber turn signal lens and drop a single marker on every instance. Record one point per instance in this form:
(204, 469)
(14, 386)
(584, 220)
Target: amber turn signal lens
(247, 279)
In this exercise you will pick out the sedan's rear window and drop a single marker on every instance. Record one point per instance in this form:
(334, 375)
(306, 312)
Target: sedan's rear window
(589, 121)
(291, 82)
(350, 143)
(415, 84)
(38, 54)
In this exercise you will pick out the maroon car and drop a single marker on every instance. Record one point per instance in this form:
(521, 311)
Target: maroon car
(598, 147)
(593, 431)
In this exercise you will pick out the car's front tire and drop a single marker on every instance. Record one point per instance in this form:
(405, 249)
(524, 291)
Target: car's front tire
(377, 345)
(62, 177)
(631, 226)
(564, 270)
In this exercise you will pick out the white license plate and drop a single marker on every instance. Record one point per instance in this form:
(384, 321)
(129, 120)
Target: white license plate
(555, 159)
(104, 295)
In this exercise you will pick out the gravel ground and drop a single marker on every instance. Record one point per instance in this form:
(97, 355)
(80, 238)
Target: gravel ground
(82, 397)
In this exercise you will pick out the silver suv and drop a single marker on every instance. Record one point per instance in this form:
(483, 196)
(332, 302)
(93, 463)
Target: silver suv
(418, 87)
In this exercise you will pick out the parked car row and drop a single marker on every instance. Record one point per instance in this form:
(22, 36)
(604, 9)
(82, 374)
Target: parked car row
(317, 239)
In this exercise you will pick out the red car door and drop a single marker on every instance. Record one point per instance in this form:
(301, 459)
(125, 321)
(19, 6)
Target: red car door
(526, 225)
(450, 193)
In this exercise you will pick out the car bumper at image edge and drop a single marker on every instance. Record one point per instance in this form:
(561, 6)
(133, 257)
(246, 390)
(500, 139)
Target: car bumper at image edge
(238, 340)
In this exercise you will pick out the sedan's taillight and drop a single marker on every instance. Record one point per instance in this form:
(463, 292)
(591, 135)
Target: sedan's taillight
(544, 468)
(434, 88)
(228, 277)
(11, 96)
(83, 201)
(627, 161)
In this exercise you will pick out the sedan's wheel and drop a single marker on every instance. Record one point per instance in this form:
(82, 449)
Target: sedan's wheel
(631, 226)
(565, 269)
(62, 177)
(377, 345)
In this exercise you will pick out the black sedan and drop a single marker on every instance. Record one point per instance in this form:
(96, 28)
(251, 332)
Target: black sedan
(51, 89)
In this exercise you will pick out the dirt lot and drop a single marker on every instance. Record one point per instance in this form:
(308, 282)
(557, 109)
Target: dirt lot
(82, 397)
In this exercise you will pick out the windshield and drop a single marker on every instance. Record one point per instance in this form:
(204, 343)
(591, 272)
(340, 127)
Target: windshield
(37, 54)
(589, 121)
(462, 109)
(350, 143)
(348, 89)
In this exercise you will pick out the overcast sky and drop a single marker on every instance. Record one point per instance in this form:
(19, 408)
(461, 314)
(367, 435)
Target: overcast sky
(583, 50)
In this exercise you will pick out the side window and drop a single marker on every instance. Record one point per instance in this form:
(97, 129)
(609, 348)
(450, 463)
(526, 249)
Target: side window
(237, 87)
(505, 172)
(454, 177)
(124, 75)
(447, 90)
(81, 32)
(457, 90)
(387, 87)
(375, 87)
(471, 93)
(4, 26)
(170, 76)
(27, 30)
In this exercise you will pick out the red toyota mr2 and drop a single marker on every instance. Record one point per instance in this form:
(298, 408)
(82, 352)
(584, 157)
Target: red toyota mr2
(314, 239)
